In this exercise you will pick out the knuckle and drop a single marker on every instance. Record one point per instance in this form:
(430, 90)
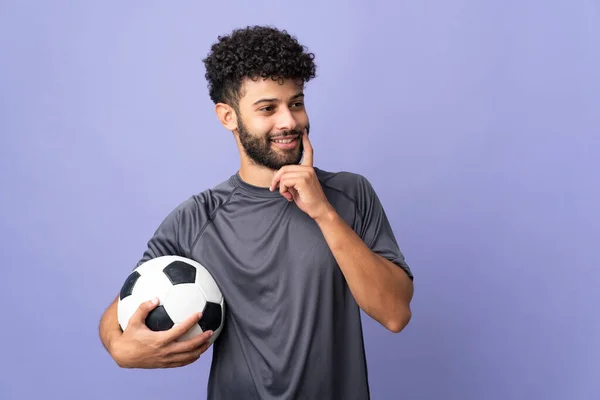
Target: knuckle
(188, 347)
(158, 342)
(198, 344)
(160, 346)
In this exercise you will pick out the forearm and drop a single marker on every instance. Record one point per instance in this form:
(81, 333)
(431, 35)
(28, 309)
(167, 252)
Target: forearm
(383, 290)
(109, 326)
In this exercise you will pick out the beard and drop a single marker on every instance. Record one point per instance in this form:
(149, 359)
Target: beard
(261, 151)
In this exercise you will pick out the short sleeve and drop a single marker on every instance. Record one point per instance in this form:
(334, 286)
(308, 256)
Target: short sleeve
(173, 235)
(375, 229)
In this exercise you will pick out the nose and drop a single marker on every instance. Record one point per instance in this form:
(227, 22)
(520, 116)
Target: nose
(286, 120)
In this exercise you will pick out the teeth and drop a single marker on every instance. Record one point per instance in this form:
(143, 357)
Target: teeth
(285, 141)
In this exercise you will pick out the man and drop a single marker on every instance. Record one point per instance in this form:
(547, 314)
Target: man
(297, 251)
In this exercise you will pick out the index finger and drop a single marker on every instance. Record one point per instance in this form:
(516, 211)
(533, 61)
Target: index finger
(179, 330)
(307, 158)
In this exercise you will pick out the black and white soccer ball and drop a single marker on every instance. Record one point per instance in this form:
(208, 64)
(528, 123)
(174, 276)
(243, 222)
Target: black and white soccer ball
(183, 287)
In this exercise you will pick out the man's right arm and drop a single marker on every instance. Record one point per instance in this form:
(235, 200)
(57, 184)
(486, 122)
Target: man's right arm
(138, 346)
(109, 326)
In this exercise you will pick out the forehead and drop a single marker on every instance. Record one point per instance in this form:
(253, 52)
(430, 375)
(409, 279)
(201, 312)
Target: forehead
(259, 89)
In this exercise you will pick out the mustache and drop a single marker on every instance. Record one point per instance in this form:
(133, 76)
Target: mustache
(295, 132)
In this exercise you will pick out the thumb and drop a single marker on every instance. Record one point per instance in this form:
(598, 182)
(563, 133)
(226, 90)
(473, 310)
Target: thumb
(140, 315)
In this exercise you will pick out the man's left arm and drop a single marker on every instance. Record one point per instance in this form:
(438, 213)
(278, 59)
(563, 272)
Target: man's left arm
(371, 261)
(381, 288)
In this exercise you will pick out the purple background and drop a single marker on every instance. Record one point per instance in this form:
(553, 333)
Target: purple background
(477, 122)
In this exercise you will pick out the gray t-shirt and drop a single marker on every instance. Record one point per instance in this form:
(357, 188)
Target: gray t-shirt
(292, 328)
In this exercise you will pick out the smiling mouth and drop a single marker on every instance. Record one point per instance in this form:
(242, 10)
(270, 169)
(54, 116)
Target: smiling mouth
(286, 142)
(283, 141)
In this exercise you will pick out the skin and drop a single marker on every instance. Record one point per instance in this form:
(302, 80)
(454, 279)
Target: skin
(267, 109)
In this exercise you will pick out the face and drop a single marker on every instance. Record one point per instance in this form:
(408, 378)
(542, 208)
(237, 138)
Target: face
(270, 123)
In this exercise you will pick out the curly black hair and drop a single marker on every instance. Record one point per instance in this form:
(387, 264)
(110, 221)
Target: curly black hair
(254, 52)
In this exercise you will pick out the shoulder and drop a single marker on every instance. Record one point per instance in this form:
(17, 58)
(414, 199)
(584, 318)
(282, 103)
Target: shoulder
(211, 199)
(354, 186)
(199, 208)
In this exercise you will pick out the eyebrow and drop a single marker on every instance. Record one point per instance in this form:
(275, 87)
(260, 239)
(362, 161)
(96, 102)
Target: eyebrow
(271, 100)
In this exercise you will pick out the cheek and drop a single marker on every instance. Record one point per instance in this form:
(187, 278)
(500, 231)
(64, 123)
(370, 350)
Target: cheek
(302, 119)
(261, 127)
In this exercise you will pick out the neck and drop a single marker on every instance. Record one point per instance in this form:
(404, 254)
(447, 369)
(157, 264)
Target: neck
(256, 175)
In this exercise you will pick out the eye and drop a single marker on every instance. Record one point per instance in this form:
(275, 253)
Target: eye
(267, 109)
(297, 104)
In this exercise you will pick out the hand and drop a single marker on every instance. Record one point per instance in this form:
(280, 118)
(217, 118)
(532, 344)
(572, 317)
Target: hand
(299, 183)
(140, 347)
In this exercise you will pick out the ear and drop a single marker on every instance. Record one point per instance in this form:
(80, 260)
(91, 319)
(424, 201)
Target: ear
(227, 116)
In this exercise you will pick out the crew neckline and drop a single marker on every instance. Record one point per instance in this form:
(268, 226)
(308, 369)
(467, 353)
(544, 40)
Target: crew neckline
(237, 181)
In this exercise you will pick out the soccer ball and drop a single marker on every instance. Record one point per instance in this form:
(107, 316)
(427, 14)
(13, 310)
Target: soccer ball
(183, 287)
